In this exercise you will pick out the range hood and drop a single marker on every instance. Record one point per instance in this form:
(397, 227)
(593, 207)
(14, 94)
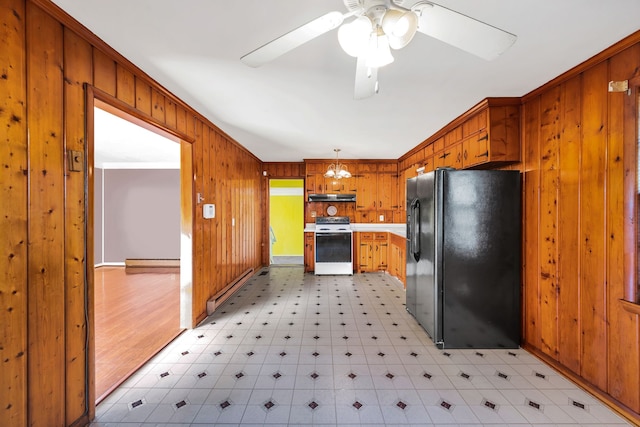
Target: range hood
(332, 197)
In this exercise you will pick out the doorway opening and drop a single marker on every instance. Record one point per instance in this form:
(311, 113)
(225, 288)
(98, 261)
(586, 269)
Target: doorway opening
(141, 259)
(286, 222)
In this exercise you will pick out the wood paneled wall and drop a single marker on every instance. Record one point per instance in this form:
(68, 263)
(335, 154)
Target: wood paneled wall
(45, 60)
(573, 175)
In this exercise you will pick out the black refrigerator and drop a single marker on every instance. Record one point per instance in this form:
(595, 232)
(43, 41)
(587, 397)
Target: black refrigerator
(463, 257)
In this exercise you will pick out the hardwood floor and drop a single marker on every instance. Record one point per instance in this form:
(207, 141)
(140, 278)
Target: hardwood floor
(136, 315)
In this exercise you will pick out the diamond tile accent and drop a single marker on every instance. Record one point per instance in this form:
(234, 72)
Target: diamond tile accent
(427, 375)
(490, 404)
(314, 376)
(352, 376)
(348, 354)
(534, 405)
(446, 405)
(578, 404)
(357, 405)
(239, 375)
(389, 375)
(503, 375)
(539, 375)
(135, 404)
(184, 353)
(202, 374)
(181, 404)
(313, 405)
(164, 374)
(283, 354)
(225, 404)
(381, 354)
(401, 405)
(315, 354)
(464, 375)
(269, 405)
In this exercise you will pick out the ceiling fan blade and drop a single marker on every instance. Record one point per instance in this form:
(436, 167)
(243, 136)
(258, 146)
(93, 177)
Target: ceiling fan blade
(366, 80)
(461, 31)
(293, 39)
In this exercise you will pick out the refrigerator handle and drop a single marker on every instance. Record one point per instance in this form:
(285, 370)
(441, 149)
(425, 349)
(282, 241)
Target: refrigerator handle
(415, 229)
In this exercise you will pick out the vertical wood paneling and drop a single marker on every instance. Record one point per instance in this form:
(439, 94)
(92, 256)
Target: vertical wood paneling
(143, 96)
(213, 226)
(104, 72)
(568, 221)
(46, 299)
(549, 136)
(170, 114)
(13, 215)
(77, 71)
(623, 352)
(199, 291)
(157, 101)
(592, 225)
(125, 85)
(531, 166)
(203, 133)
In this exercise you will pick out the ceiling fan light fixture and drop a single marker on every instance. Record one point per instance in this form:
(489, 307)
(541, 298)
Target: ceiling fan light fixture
(354, 36)
(379, 52)
(400, 27)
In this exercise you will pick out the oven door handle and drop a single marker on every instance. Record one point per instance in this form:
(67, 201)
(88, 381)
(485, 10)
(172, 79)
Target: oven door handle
(414, 229)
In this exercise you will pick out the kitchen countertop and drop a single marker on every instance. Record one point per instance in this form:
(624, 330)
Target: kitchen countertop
(395, 228)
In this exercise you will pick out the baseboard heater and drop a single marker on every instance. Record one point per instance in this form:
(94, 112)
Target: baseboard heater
(218, 299)
(138, 265)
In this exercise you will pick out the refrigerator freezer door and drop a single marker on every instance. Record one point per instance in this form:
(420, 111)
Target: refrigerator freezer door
(481, 259)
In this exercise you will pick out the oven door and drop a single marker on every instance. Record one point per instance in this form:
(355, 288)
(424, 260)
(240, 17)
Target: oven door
(333, 253)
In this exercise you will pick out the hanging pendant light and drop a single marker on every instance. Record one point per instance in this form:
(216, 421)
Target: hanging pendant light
(337, 170)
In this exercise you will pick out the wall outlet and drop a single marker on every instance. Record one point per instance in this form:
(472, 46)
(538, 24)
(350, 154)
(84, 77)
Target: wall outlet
(313, 214)
(381, 218)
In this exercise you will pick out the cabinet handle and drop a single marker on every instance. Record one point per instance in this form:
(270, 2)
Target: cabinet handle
(484, 138)
(485, 154)
(465, 154)
(444, 155)
(458, 157)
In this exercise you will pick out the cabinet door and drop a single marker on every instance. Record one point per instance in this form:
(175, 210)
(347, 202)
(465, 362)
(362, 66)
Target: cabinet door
(387, 191)
(365, 252)
(366, 185)
(381, 251)
(450, 157)
(381, 256)
(475, 149)
(309, 255)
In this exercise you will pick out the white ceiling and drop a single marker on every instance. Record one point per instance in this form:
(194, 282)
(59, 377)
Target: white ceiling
(301, 105)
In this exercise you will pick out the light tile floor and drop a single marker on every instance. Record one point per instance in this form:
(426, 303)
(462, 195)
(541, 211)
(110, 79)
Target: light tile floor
(296, 349)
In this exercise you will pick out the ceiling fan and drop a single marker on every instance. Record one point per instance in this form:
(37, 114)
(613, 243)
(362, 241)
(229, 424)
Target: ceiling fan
(380, 25)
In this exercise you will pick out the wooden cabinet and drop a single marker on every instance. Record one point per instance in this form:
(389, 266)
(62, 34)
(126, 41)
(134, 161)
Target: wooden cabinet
(376, 192)
(309, 252)
(373, 248)
(397, 260)
(450, 156)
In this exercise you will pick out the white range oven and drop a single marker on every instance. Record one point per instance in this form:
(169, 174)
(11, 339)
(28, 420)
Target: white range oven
(333, 245)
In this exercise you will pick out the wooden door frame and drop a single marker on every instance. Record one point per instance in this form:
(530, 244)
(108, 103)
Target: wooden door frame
(96, 98)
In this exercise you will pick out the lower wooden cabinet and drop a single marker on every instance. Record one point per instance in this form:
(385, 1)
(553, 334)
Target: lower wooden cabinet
(373, 251)
(309, 253)
(397, 257)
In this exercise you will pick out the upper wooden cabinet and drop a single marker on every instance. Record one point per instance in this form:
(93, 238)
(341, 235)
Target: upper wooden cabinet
(485, 136)
(377, 187)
